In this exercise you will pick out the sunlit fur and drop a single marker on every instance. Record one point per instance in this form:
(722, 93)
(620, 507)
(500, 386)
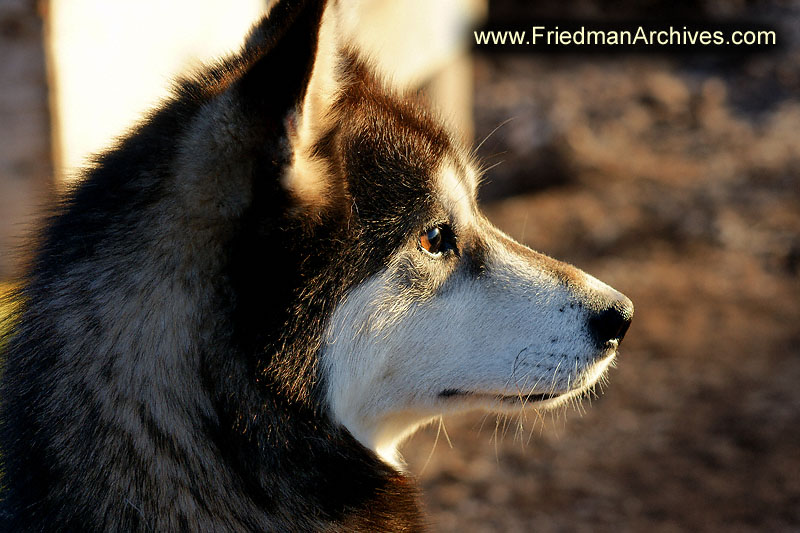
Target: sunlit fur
(230, 323)
(423, 326)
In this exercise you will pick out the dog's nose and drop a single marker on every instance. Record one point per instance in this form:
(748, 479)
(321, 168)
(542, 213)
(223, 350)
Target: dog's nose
(612, 322)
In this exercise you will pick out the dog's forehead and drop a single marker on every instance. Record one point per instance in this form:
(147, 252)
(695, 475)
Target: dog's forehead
(395, 150)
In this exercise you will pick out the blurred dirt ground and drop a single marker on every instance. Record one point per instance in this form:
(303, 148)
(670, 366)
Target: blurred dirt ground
(677, 182)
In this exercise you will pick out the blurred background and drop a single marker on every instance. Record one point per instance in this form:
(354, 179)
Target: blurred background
(674, 178)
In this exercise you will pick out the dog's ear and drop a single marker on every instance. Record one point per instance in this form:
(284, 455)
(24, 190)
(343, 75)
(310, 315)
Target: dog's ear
(278, 58)
(260, 110)
(292, 84)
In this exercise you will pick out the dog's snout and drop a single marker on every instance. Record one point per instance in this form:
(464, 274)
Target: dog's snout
(612, 322)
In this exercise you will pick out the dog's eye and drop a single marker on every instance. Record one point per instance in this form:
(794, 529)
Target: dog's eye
(431, 241)
(437, 240)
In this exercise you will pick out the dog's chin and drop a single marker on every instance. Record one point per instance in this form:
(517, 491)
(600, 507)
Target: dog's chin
(504, 400)
(384, 433)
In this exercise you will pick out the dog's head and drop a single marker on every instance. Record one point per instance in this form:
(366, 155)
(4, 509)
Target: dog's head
(411, 302)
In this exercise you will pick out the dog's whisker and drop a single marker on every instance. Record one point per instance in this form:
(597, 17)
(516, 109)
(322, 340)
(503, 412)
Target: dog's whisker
(490, 167)
(444, 430)
(496, 436)
(483, 421)
(433, 448)
(498, 127)
(537, 421)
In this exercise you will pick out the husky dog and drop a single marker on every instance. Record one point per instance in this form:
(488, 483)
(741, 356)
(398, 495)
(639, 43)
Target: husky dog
(246, 305)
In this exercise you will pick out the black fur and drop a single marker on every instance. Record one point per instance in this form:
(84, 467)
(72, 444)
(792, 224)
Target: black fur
(115, 418)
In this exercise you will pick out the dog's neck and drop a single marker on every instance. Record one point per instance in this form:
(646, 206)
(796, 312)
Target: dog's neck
(294, 459)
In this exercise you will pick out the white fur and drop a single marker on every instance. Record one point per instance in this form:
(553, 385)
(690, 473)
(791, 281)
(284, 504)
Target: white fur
(456, 195)
(388, 353)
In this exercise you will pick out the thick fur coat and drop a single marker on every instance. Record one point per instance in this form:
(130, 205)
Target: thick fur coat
(249, 301)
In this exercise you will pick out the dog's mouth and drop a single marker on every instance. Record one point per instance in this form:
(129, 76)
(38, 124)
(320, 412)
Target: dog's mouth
(533, 398)
(514, 398)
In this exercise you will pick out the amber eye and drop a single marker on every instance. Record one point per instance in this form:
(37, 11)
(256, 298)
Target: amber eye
(431, 241)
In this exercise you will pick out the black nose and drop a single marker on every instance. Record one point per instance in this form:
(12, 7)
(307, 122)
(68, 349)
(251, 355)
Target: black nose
(612, 322)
